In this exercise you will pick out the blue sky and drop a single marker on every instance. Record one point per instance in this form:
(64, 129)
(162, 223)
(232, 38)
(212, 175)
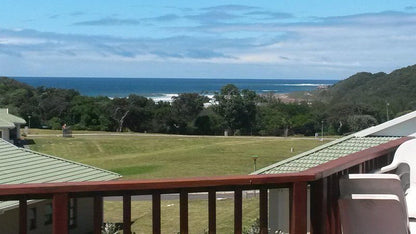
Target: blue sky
(206, 39)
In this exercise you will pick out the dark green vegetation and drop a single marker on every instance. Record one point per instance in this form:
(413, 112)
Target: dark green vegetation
(365, 99)
(358, 102)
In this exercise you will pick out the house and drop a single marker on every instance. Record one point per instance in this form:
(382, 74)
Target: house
(10, 125)
(354, 144)
(23, 166)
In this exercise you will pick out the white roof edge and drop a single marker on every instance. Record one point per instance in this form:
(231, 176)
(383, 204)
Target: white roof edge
(385, 125)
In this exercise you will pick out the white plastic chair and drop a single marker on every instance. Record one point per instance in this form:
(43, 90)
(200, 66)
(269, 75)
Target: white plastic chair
(373, 184)
(372, 214)
(404, 164)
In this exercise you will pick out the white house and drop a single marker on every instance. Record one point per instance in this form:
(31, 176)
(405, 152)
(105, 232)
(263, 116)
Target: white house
(22, 166)
(403, 126)
(10, 125)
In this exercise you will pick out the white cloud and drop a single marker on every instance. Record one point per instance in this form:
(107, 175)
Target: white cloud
(325, 47)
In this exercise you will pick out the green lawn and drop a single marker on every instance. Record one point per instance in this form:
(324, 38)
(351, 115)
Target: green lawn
(167, 156)
(198, 215)
(164, 156)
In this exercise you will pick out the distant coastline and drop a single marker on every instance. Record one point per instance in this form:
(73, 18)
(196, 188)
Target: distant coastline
(162, 89)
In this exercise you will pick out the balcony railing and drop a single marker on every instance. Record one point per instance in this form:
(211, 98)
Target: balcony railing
(321, 180)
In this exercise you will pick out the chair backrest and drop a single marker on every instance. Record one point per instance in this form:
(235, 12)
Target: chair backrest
(372, 214)
(373, 184)
(406, 154)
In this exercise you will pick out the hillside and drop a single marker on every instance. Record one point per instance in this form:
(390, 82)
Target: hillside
(375, 91)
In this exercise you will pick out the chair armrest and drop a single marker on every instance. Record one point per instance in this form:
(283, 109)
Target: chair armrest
(387, 169)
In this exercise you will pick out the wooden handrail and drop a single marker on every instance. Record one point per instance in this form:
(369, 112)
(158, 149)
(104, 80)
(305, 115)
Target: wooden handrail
(168, 185)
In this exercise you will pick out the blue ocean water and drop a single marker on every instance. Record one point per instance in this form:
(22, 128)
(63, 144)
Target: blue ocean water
(164, 88)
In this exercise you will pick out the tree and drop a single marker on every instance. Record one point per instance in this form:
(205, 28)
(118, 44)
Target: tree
(237, 108)
(185, 108)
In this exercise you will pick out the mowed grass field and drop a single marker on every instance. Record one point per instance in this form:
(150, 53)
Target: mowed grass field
(166, 156)
(198, 215)
(137, 156)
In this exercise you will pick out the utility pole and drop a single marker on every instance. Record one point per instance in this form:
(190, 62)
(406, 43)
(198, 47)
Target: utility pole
(322, 130)
(387, 110)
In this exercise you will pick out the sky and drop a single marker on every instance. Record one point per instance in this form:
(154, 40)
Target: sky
(280, 39)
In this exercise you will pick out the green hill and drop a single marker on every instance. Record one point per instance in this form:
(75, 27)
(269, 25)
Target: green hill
(379, 91)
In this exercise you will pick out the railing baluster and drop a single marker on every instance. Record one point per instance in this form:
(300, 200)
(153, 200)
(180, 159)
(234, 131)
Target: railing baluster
(23, 216)
(156, 213)
(263, 211)
(183, 210)
(238, 211)
(318, 201)
(212, 213)
(60, 213)
(126, 214)
(98, 214)
(298, 208)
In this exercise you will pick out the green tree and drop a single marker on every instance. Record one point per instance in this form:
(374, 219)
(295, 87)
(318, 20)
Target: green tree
(185, 108)
(238, 109)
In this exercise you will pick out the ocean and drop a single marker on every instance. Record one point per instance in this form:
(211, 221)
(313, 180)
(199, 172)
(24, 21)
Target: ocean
(165, 88)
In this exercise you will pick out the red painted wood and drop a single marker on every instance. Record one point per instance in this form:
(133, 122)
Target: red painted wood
(60, 213)
(98, 214)
(250, 181)
(156, 213)
(238, 211)
(127, 214)
(264, 211)
(23, 216)
(183, 212)
(319, 222)
(212, 212)
(298, 208)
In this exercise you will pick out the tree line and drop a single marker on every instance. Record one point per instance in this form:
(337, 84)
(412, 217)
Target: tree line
(350, 105)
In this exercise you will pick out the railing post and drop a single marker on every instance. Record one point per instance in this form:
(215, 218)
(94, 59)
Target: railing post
(60, 213)
(298, 208)
(333, 212)
(22, 216)
(183, 210)
(319, 207)
(98, 214)
(212, 212)
(126, 214)
(156, 213)
(263, 211)
(238, 211)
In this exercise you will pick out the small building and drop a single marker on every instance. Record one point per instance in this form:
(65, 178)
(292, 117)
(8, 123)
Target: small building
(356, 144)
(10, 126)
(23, 166)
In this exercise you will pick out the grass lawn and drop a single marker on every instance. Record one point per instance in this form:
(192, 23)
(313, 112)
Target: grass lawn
(198, 215)
(166, 156)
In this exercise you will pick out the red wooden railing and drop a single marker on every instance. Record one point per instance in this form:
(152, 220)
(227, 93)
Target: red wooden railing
(322, 180)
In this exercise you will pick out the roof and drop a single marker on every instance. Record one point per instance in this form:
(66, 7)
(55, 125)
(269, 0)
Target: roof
(404, 125)
(325, 153)
(8, 120)
(22, 166)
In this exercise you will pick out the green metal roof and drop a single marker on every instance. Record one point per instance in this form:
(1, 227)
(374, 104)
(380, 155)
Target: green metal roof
(22, 166)
(6, 124)
(325, 153)
(8, 120)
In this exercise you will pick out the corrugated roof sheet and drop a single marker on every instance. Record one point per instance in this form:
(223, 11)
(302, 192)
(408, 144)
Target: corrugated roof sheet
(5, 116)
(22, 166)
(325, 153)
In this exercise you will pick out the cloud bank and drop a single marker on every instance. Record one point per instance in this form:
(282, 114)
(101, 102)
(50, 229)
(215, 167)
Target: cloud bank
(235, 41)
